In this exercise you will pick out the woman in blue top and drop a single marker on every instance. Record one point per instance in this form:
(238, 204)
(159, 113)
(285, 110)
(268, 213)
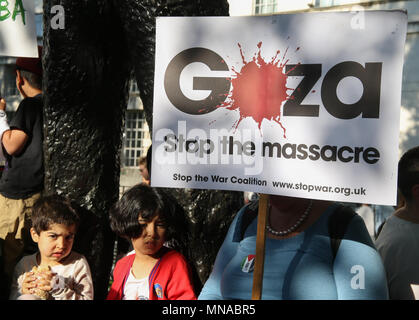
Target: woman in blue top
(299, 261)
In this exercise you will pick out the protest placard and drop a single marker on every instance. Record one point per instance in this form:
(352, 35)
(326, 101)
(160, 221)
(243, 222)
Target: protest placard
(18, 29)
(304, 105)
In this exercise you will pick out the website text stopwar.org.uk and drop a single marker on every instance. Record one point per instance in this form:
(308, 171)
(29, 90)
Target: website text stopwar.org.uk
(320, 188)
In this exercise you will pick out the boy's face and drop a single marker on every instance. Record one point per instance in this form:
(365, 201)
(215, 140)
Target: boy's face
(152, 238)
(55, 243)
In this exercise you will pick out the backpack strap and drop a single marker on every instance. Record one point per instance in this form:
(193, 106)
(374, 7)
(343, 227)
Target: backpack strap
(249, 214)
(338, 222)
(337, 225)
(380, 227)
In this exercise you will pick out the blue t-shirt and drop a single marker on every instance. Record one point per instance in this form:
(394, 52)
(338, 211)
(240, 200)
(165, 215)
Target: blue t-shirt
(300, 267)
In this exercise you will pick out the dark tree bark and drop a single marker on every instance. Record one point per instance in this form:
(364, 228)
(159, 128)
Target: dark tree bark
(86, 92)
(86, 71)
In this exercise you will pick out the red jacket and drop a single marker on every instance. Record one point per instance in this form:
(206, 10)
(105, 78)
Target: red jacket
(169, 279)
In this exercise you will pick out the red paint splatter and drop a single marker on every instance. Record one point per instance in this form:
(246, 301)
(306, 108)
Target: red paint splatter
(259, 89)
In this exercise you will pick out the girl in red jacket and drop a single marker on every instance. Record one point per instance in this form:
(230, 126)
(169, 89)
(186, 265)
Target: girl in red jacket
(153, 271)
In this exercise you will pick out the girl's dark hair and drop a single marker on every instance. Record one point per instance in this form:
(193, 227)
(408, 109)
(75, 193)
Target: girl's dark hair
(145, 202)
(52, 209)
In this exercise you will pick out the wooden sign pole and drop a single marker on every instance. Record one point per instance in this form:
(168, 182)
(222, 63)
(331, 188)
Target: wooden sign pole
(260, 247)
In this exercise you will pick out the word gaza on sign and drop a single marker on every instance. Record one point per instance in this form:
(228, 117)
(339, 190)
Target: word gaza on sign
(368, 105)
(276, 101)
(18, 29)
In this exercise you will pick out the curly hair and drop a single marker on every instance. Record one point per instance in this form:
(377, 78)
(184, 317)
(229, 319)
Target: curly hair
(145, 202)
(53, 209)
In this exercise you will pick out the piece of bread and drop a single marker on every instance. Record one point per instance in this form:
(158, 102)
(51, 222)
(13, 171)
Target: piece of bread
(37, 271)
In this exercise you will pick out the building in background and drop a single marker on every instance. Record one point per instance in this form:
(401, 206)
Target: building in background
(409, 117)
(136, 139)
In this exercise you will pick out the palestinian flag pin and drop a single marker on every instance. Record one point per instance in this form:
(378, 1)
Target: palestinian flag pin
(248, 263)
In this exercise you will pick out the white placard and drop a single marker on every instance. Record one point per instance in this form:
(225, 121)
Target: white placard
(18, 29)
(304, 105)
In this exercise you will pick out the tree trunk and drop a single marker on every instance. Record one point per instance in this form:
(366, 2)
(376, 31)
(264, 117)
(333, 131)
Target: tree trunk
(87, 66)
